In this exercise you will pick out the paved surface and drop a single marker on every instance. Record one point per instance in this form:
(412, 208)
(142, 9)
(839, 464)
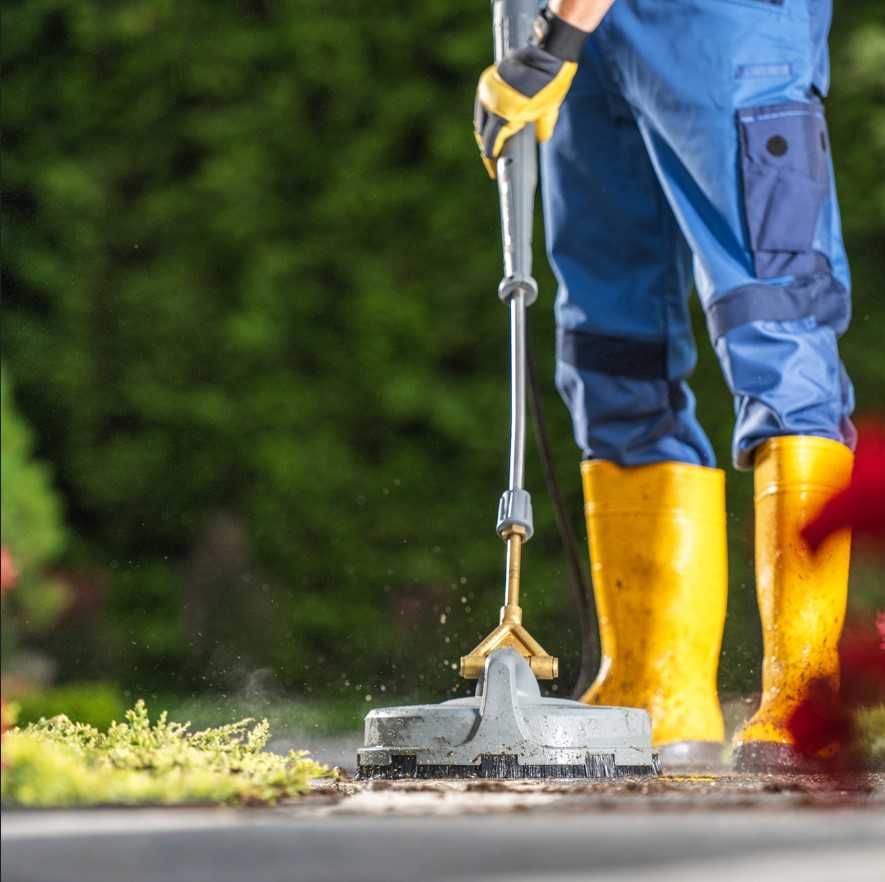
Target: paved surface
(687, 829)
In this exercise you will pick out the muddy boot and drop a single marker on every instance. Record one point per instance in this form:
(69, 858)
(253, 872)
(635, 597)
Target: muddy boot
(658, 554)
(802, 596)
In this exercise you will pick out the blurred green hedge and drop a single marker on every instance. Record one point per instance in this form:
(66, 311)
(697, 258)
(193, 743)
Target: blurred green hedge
(95, 704)
(31, 530)
(250, 262)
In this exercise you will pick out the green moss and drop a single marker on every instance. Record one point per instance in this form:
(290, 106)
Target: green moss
(57, 762)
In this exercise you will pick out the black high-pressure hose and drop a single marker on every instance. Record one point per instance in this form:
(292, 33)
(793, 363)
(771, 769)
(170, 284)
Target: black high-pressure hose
(581, 587)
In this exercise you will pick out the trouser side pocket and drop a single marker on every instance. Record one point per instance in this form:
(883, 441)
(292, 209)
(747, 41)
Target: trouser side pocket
(784, 154)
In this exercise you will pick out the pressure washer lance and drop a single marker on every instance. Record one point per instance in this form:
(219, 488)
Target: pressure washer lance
(508, 730)
(517, 175)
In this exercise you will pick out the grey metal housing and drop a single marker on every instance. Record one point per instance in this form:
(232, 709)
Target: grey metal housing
(507, 730)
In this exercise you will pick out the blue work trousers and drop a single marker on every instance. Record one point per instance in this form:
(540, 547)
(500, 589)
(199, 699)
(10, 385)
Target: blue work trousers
(693, 146)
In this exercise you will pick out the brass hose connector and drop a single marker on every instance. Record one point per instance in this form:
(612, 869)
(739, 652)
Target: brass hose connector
(510, 632)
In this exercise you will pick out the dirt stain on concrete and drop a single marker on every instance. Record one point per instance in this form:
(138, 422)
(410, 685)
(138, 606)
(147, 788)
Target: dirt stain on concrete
(686, 792)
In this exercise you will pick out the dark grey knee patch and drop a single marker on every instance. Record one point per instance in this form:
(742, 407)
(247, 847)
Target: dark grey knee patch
(820, 297)
(613, 356)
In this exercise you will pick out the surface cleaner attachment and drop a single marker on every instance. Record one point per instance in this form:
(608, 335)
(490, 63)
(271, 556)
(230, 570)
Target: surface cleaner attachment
(507, 730)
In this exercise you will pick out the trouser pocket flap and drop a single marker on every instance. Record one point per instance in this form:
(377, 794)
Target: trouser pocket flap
(785, 169)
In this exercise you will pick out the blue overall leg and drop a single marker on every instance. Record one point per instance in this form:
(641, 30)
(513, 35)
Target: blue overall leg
(723, 95)
(624, 343)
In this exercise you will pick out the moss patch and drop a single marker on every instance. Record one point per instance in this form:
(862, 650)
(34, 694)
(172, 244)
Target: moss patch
(57, 762)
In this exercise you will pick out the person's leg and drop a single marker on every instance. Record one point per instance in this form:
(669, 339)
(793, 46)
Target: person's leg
(726, 97)
(658, 547)
(802, 596)
(624, 342)
(655, 507)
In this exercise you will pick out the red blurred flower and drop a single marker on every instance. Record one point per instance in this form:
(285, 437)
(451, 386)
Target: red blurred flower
(862, 662)
(820, 721)
(8, 577)
(8, 570)
(861, 505)
(825, 717)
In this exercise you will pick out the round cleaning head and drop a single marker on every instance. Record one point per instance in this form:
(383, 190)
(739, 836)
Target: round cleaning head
(507, 730)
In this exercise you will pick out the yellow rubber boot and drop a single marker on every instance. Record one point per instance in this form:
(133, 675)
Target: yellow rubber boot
(802, 596)
(658, 554)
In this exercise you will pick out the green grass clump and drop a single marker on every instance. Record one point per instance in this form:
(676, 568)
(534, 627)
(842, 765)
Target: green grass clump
(57, 762)
(870, 723)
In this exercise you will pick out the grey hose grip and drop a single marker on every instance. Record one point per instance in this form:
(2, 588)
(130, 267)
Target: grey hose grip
(515, 510)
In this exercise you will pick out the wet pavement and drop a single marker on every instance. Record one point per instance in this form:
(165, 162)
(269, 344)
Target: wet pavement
(690, 827)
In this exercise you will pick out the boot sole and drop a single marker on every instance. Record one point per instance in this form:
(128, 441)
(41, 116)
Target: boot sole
(692, 756)
(769, 757)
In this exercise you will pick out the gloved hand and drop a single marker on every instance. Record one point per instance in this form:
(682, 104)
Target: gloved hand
(527, 86)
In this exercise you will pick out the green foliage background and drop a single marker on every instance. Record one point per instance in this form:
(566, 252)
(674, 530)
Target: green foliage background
(250, 262)
(31, 523)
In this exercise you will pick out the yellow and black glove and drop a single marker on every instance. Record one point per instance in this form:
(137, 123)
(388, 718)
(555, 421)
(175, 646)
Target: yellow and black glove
(527, 86)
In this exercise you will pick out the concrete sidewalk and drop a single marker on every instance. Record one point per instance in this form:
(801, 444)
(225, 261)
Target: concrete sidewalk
(727, 829)
(223, 845)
